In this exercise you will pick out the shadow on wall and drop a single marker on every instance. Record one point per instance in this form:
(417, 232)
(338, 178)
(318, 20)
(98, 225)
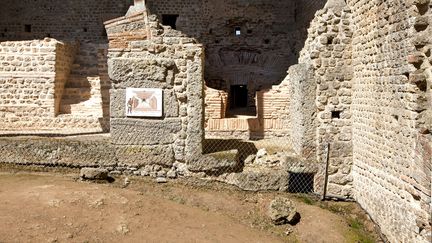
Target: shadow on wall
(246, 43)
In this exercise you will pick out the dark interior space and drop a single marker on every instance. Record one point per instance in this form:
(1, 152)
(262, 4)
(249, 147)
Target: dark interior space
(170, 20)
(238, 96)
(301, 183)
(244, 41)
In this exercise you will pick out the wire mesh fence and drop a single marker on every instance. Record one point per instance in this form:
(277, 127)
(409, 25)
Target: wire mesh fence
(263, 164)
(252, 165)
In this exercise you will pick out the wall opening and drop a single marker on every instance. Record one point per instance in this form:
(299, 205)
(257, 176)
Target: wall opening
(170, 20)
(336, 114)
(238, 96)
(237, 31)
(301, 182)
(27, 28)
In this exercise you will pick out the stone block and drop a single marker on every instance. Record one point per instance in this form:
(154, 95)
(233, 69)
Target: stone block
(140, 156)
(144, 132)
(216, 163)
(93, 174)
(262, 179)
(140, 73)
(283, 211)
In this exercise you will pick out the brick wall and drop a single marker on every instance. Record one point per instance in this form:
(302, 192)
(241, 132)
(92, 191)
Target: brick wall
(389, 165)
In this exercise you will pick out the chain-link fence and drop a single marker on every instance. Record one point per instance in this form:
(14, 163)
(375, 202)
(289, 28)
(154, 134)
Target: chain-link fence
(263, 164)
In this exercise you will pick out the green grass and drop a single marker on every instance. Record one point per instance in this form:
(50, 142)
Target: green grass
(358, 233)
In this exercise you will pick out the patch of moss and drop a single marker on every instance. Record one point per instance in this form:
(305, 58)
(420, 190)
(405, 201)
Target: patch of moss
(358, 232)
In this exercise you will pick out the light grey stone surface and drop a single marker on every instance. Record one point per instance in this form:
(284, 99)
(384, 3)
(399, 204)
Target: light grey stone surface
(259, 180)
(94, 174)
(140, 73)
(283, 211)
(144, 132)
(216, 163)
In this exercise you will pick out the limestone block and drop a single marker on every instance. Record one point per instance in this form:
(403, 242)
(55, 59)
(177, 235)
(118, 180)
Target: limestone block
(283, 211)
(145, 155)
(93, 174)
(216, 163)
(140, 73)
(144, 132)
(260, 180)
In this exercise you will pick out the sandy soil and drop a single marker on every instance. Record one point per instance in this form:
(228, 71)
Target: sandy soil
(48, 207)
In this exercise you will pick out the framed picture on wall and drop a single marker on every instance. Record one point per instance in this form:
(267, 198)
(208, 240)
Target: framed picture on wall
(144, 102)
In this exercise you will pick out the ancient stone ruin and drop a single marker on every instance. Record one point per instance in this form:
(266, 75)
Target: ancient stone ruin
(345, 85)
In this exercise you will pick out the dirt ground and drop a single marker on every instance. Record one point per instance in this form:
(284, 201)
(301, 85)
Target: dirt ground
(53, 207)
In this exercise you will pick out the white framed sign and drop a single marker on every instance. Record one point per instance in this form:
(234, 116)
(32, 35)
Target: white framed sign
(144, 102)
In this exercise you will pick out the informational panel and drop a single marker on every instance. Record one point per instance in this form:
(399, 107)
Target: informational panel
(144, 102)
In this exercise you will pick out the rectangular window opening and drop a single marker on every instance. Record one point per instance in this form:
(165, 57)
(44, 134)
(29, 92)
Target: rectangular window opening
(336, 114)
(237, 31)
(28, 28)
(170, 20)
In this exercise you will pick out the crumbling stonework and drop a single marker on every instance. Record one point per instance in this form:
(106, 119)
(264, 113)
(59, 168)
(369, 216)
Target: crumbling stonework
(161, 60)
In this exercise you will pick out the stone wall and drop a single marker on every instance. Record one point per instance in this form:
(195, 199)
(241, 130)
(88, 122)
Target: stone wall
(25, 67)
(216, 102)
(162, 59)
(64, 57)
(34, 77)
(302, 110)
(391, 166)
(272, 35)
(71, 20)
(328, 51)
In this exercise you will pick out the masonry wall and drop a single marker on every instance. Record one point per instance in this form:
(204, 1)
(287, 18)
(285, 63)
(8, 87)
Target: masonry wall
(391, 164)
(33, 80)
(64, 20)
(272, 35)
(30, 85)
(272, 119)
(216, 102)
(328, 51)
(173, 64)
(64, 58)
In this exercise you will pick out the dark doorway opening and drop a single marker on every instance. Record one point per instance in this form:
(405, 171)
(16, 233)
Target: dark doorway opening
(28, 28)
(170, 20)
(301, 183)
(239, 96)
